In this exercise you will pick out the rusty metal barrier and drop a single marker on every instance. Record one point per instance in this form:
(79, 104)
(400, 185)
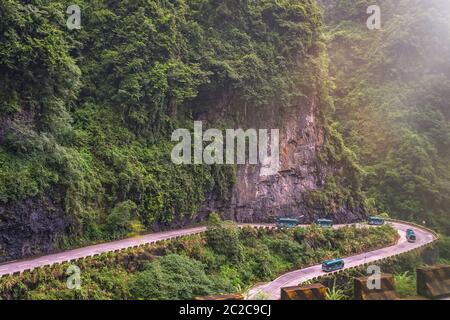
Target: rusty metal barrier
(306, 292)
(386, 291)
(433, 282)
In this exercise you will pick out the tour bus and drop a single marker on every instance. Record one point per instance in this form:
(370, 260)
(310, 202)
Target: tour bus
(411, 235)
(324, 223)
(287, 222)
(376, 221)
(332, 265)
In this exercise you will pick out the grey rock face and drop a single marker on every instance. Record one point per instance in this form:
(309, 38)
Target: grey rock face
(29, 228)
(259, 198)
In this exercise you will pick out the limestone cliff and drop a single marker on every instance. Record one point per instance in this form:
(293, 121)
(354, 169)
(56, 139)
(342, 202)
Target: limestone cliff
(303, 170)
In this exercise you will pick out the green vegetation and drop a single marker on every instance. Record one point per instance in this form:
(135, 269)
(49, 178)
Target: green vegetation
(86, 118)
(199, 264)
(87, 114)
(334, 293)
(444, 250)
(405, 284)
(391, 98)
(175, 277)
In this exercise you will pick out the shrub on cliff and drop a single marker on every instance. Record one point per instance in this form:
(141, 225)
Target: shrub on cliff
(174, 277)
(405, 284)
(224, 239)
(444, 249)
(118, 222)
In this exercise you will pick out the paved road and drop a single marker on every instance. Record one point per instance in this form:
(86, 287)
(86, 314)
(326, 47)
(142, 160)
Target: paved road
(272, 290)
(19, 266)
(30, 264)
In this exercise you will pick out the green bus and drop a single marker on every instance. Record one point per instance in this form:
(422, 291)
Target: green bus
(324, 223)
(411, 235)
(333, 265)
(375, 221)
(287, 223)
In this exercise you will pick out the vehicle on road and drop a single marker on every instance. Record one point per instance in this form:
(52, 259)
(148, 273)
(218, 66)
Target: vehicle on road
(324, 223)
(287, 223)
(375, 221)
(411, 235)
(333, 265)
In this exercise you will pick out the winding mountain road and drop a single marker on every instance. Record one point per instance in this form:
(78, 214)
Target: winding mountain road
(271, 289)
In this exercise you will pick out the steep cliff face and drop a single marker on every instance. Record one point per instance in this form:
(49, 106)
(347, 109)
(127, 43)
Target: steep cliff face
(257, 197)
(31, 227)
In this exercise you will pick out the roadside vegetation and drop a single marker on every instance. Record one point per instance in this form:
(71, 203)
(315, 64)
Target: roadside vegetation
(405, 284)
(334, 293)
(403, 268)
(444, 250)
(225, 259)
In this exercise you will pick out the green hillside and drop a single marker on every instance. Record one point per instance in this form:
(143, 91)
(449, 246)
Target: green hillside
(87, 114)
(392, 89)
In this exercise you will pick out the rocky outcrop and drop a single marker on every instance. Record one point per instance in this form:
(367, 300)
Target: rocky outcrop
(260, 198)
(30, 227)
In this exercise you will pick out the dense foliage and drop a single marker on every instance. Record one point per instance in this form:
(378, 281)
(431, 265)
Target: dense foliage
(392, 90)
(198, 265)
(86, 115)
(444, 250)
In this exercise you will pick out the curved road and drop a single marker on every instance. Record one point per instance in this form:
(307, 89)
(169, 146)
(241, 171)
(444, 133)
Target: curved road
(272, 290)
